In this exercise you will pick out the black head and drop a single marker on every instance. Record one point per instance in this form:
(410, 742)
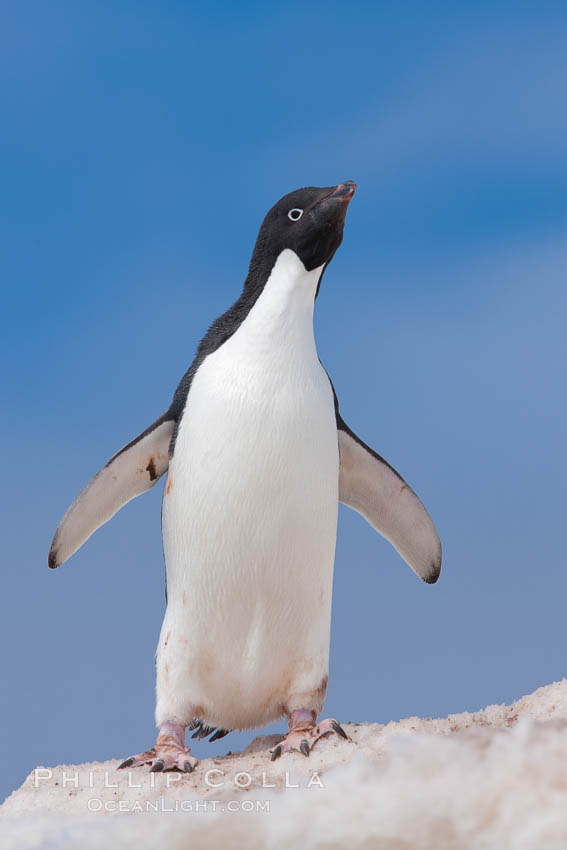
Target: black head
(309, 221)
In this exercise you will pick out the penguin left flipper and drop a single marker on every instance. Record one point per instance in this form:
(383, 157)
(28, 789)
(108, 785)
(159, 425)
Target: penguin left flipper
(373, 488)
(130, 472)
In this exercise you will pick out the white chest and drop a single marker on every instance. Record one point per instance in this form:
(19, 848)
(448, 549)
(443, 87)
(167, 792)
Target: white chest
(262, 405)
(250, 513)
(255, 469)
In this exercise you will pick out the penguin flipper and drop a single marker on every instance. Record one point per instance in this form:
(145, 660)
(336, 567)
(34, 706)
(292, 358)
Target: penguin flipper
(130, 472)
(374, 489)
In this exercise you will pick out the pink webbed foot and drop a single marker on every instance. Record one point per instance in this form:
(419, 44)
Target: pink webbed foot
(169, 753)
(163, 758)
(304, 734)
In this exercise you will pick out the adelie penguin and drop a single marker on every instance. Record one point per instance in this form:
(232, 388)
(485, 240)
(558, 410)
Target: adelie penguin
(257, 457)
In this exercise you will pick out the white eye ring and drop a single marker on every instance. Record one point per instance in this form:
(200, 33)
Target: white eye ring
(295, 214)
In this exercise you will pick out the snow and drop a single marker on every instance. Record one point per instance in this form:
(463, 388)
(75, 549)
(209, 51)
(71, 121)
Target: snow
(494, 779)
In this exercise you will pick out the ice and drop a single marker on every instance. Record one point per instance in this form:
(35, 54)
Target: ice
(494, 779)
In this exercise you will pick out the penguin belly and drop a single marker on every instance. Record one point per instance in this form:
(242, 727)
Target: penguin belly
(249, 525)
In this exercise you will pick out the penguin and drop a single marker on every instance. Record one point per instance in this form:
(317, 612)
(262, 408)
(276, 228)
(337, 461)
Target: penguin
(257, 457)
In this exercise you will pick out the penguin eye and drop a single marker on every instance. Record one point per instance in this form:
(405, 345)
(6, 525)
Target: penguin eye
(295, 214)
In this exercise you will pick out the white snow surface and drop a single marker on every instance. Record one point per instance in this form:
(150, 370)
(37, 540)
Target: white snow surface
(494, 779)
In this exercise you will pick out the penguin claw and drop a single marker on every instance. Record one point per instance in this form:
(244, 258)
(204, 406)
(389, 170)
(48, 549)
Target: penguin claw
(339, 729)
(136, 761)
(163, 759)
(303, 740)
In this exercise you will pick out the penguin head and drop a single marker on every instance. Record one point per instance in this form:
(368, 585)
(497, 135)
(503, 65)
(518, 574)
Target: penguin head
(309, 222)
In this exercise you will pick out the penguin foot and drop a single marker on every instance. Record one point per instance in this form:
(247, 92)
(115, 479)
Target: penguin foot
(304, 737)
(163, 758)
(169, 753)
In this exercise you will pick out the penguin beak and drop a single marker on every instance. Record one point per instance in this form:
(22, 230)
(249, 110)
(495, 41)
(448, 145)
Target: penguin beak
(344, 191)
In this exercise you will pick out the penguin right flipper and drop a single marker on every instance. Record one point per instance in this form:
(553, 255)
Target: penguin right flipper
(373, 488)
(132, 471)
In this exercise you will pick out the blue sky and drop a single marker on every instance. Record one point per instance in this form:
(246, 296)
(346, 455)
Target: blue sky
(142, 144)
